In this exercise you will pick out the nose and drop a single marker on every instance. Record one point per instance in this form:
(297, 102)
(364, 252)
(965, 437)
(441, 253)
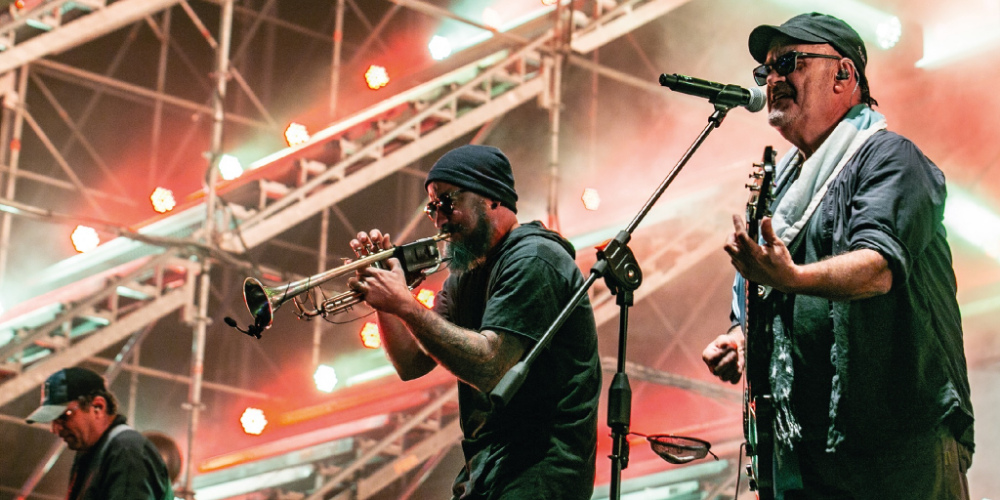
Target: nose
(773, 77)
(55, 426)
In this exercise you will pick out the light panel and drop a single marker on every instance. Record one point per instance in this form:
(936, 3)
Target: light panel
(253, 421)
(591, 199)
(85, 239)
(162, 200)
(325, 378)
(370, 337)
(229, 167)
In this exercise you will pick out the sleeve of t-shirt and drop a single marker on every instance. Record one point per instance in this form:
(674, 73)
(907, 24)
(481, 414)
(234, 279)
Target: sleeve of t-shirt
(132, 471)
(442, 300)
(897, 205)
(527, 296)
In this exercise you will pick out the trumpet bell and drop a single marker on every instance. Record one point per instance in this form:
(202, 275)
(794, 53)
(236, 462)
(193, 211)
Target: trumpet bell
(258, 302)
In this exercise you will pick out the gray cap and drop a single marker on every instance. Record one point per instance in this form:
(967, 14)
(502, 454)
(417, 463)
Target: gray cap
(68, 384)
(813, 28)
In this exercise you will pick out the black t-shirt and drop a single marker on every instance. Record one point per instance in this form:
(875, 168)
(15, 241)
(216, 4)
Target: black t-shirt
(543, 443)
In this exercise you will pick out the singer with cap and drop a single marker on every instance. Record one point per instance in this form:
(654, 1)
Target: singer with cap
(508, 282)
(112, 459)
(868, 370)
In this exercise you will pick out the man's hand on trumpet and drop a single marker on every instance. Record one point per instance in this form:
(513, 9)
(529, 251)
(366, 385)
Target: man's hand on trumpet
(384, 290)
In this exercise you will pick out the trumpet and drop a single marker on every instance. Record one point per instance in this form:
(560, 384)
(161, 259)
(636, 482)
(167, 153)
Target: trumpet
(418, 259)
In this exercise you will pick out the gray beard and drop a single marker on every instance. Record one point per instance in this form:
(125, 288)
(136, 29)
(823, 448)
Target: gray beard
(466, 254)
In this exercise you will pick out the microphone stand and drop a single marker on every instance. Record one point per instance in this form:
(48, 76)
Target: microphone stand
(621, 272)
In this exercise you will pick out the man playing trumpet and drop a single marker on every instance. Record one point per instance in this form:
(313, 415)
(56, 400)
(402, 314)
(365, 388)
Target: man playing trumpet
(508, 282)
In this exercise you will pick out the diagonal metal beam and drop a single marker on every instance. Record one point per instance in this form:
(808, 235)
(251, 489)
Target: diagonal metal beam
(67, 169)
(74, 75)
(346, 472)
(64, 116)
(97, 342)
(624, 19)
(88, 27)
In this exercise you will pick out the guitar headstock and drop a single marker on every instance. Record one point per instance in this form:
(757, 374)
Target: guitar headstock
(761, 191)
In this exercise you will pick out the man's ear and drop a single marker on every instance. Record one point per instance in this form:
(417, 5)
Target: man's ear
(100, 403)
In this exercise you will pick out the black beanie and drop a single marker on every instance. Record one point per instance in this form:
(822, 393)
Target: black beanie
(484, 170)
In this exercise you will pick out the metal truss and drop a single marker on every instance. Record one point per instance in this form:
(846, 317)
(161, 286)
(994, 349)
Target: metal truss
(127, 289)
(65, 334)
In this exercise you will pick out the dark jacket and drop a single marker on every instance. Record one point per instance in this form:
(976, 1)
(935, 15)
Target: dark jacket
(125, 468)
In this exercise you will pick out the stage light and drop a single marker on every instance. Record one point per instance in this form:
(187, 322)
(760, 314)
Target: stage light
(370, 337)
(19, 4)
(426, 297)
(591, 199)
(229, 167)
(549, 2)
(85, 239)
(296, 134)
(888, 32)
(492, 18)
(162, 200)
(253, 421)
(326, 378)
(440, 47)
(376, 77)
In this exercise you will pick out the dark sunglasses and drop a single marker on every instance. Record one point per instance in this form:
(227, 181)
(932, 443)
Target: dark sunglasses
(444, 204)
(784, 65)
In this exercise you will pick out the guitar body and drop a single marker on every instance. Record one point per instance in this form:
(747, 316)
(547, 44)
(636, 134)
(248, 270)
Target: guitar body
(758, 408)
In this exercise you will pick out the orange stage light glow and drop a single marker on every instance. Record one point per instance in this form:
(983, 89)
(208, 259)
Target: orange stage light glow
(162, 200)
(376, 77)
(370, 336)
(253, 421)
(296, 134)
(85, 239)
(591, 199)
(426, 297)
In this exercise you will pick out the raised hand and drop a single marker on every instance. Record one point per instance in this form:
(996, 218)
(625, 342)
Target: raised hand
(767, 264)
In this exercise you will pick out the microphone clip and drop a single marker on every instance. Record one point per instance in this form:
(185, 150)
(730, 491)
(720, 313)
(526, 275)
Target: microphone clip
(253, 330)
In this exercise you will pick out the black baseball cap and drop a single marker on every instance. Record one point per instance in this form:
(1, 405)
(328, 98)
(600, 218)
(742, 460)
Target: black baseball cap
(813, 28)
(68, 384)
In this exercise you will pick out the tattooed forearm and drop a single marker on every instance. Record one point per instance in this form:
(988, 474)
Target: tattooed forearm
(480, 359)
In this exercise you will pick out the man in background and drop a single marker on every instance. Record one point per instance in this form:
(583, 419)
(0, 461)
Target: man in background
(113, 461)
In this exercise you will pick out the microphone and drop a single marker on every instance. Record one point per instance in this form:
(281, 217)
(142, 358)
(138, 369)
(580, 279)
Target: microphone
(252, 330)
(726, 95)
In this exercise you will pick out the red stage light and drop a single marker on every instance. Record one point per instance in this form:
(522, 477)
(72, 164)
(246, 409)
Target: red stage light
(296, 134)
(370, 337)
(591, 199)
(85, 239)
(162, 200)
(376, 77)
(253, 421)
(426, 297)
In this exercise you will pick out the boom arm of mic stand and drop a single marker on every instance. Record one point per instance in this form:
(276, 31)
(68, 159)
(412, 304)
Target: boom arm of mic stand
(617, 263)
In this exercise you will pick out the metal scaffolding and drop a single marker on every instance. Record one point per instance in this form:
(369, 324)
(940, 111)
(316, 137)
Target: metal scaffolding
(126, 286)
